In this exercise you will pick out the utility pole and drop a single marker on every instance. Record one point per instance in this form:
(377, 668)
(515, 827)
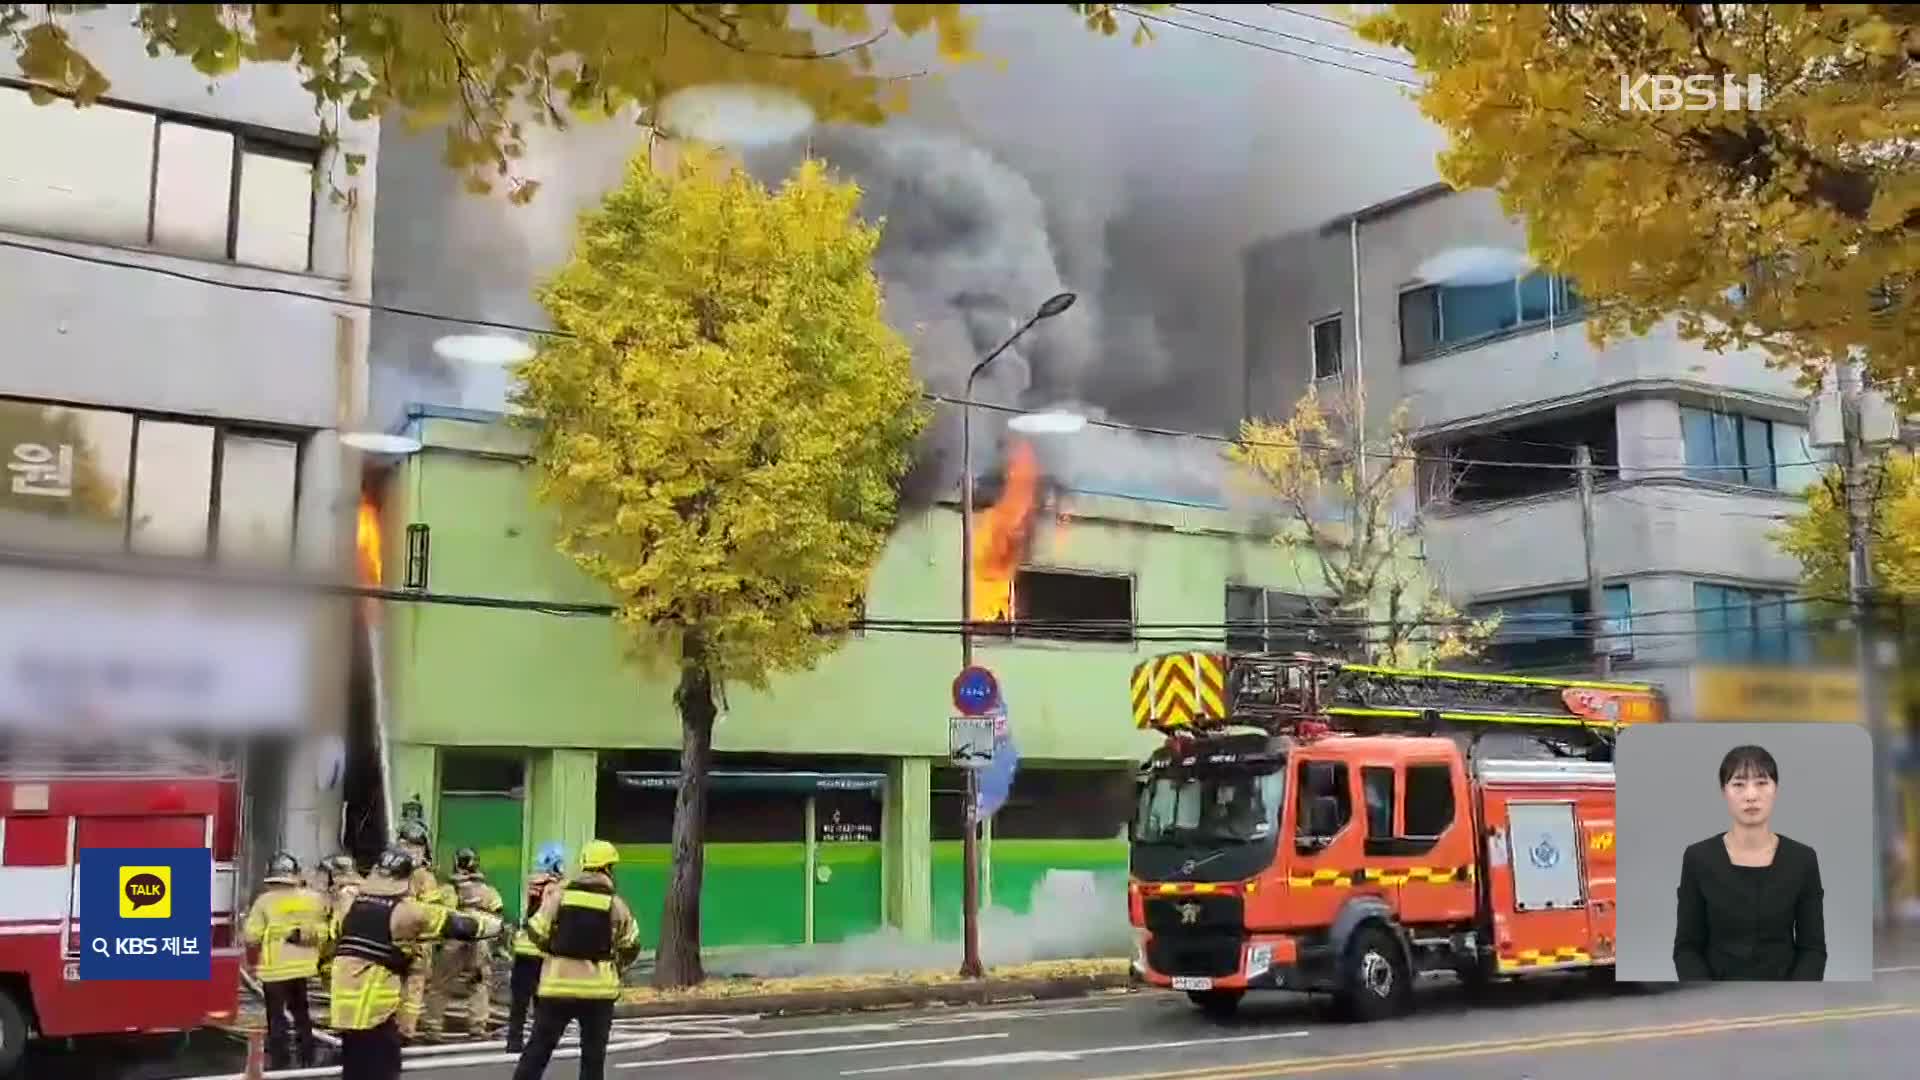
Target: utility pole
(1596, 592)
(1858, 422)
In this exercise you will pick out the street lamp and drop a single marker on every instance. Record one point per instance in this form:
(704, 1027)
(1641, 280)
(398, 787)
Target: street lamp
(970, 850)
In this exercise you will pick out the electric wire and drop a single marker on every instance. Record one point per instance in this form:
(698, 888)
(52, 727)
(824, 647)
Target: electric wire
(1264, 47)
(1256, 27)
(534, 331)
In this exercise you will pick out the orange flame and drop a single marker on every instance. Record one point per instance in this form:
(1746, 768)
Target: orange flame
(367, 542)
(1000, 537)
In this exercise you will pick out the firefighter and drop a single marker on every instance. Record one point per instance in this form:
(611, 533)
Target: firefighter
(464, 968)
(548, 869)
(417, 842)
(288, 924)
(373, 956)
(343, 879)
(589, 937)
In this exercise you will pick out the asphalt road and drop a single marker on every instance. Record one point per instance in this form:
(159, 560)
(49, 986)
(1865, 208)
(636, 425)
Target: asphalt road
(1562, 1028)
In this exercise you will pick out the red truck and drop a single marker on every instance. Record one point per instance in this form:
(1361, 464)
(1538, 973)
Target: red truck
(53, 807)
(1332, 828)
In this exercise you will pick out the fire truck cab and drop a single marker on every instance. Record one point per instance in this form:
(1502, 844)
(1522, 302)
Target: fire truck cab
(1323, 827)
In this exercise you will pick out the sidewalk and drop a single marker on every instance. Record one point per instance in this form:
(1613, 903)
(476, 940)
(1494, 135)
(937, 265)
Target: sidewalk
(846, 993)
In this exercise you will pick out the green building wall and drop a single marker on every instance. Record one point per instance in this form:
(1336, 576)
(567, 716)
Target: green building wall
(558, 691)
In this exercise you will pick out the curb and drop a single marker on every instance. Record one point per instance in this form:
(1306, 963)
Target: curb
(977, 992)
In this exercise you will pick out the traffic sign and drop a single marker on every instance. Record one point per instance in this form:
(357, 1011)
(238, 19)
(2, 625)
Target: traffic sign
(975, 691)
(970, 741)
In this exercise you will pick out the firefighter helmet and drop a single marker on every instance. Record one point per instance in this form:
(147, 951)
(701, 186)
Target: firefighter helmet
(551, 860)
(395, 862)
(283, 866)
(414, 832)
(341, 865)
(466, 860)
(598, 855)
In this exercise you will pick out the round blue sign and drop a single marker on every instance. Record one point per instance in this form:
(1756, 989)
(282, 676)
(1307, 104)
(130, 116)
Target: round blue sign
(975, 691)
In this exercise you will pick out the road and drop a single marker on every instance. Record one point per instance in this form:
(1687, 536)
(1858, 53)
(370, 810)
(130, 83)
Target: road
(1566, 1029)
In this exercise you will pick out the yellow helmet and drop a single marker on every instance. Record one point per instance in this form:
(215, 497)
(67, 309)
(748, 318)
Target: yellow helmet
(598, 855)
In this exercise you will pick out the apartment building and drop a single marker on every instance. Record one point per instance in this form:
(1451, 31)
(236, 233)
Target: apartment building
(1699, 454)
(175, 378)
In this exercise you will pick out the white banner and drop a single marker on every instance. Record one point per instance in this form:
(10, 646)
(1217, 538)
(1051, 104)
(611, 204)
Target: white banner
(75, 669)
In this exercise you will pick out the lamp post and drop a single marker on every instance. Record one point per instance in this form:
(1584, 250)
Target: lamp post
(970, 849)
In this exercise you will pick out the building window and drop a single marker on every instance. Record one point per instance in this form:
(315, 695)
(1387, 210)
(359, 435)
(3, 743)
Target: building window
(1729, 448)
(1326, 347)
(1268, 620)
(105, 480)
(125, 176)
(1066, 605)
(1554, 630)
(1514, 463)
(1434, 318)
(1747, 626)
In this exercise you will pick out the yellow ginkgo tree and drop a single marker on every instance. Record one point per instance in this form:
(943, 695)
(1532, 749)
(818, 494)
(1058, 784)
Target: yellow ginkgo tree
(1818, 536)
(1777, 206)
(482, 71)
(722, 431)
(1351, 502)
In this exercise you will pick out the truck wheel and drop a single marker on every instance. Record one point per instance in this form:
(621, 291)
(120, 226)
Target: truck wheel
(1218, 1004)
(13, 1034)
(1374, 983)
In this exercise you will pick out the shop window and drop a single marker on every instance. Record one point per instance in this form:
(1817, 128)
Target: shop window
(1066, 804)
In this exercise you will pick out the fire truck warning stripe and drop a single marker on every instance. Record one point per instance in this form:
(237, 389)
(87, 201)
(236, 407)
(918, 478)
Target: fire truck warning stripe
(1427, 875)
(1538, 958)
(1211, 684)
(1516, 680)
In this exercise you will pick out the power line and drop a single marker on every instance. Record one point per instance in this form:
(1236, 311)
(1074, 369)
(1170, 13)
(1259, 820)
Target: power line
(1315, 16)
(1263, 46)
(1362, 53)
(535, 331)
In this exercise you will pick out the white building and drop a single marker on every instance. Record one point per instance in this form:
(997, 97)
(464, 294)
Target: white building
(1700, 454)
(163, 397)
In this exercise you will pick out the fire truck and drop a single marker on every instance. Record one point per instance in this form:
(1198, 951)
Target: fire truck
(1335, 828)
(53, 806)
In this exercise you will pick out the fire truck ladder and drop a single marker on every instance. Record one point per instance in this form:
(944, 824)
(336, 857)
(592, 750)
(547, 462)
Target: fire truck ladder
(1297, 694)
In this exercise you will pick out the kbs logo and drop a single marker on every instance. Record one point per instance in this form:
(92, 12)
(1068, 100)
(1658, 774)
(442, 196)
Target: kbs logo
(1692, 93)
(146, 892)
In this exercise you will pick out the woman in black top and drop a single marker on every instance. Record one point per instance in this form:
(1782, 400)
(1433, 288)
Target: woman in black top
(1750, 899)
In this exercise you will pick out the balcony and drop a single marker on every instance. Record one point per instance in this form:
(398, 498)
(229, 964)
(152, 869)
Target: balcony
(1531, 367)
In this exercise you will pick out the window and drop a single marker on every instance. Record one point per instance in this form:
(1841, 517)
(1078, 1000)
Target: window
(1326, 347)
(104, 480)
(1553, 629)
(1738, 625)
(1733, 449)
(65, 484)
(1317, 781)
(1268, 620)
(125, 176)
(1376, 783)
(1541, 457)
(1219, 809)
(1429, 809)
(1434, 318)
(1069, 606)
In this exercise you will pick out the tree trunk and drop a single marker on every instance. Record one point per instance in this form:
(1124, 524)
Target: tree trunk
(678, 963)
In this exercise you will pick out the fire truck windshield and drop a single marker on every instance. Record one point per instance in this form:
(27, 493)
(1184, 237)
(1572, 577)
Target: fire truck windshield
(1229, 807)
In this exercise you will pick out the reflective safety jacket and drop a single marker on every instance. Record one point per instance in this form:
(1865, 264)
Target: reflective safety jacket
(376, 938)
(536, 892)
(588, 935)
(472, 893)
(283, 908)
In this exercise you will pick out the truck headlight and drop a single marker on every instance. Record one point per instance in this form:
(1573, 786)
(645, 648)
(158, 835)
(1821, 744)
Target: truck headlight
(1259, 959)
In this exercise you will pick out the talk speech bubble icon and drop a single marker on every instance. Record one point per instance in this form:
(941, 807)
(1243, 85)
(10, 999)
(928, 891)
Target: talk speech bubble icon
(145, 892)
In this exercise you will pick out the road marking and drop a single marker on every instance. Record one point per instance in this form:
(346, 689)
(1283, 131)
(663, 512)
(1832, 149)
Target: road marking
(803, 1051)
(1421, 1055)
(876, 1026)
(1032, 1057)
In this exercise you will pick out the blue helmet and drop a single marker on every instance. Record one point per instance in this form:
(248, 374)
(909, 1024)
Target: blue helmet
(552, 858)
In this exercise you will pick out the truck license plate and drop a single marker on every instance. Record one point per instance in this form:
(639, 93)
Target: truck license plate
(1189, 982)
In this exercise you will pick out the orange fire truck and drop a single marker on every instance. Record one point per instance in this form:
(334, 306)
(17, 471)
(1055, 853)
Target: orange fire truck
(53, 806)
(1326, 827)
